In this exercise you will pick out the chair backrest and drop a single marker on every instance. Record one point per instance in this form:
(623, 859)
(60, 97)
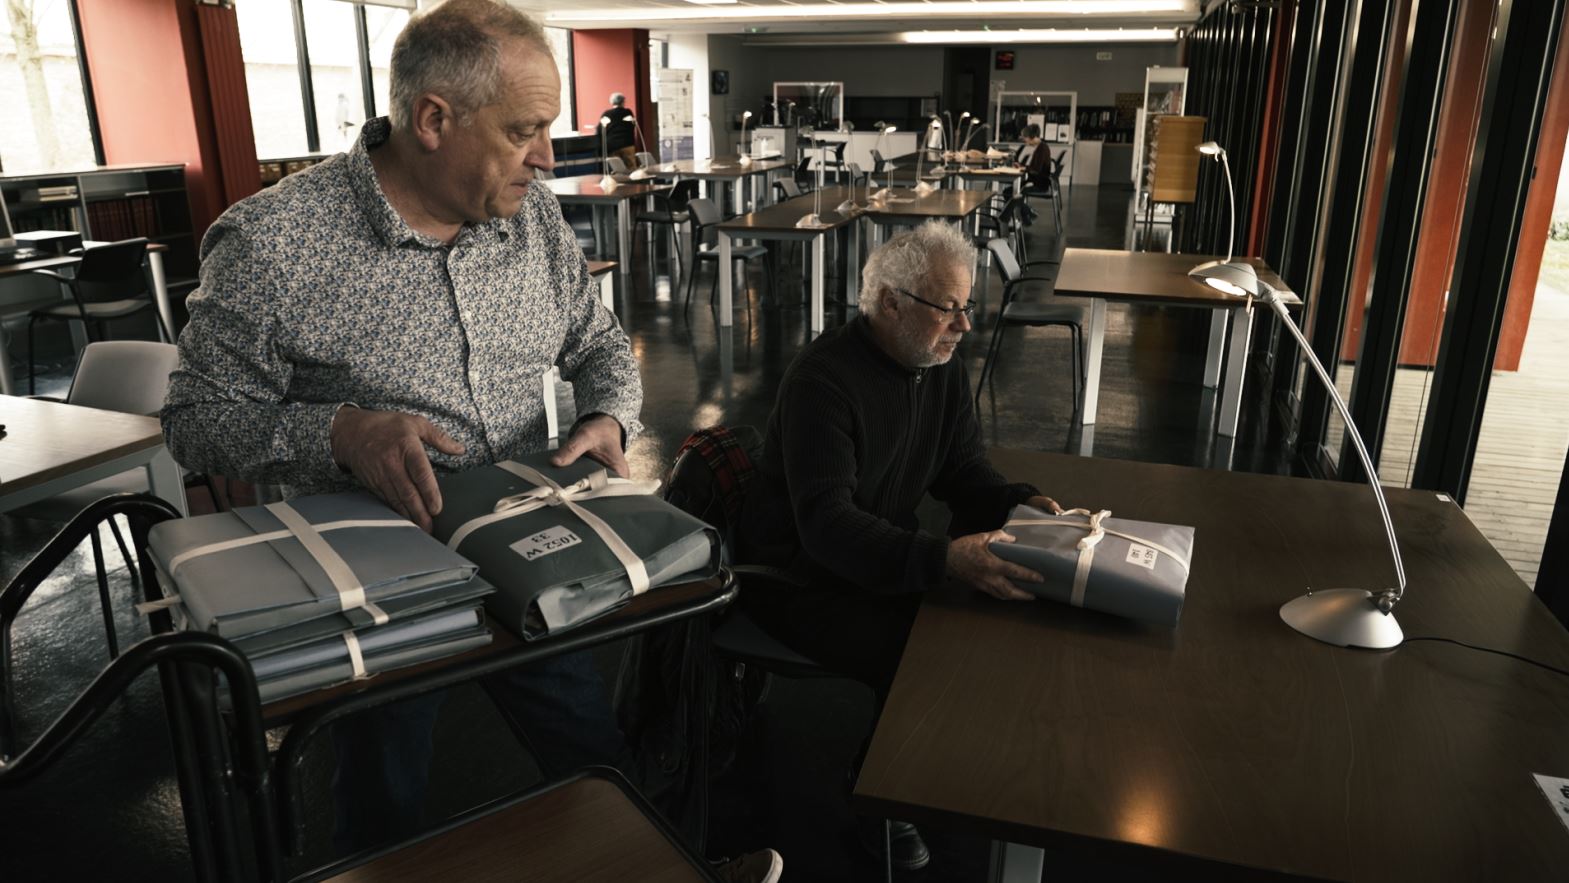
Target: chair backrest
(131, 376)
(645, 159)
(713, 469)
(1007, 264)
(877, 161)
(617, 167)
(804, 167)
(839, 151)
(112, 271)
(682, 194)
(704, 212)
(788, 188)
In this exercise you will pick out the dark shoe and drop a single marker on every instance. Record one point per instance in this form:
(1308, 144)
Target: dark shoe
(908, 849)
(763, 866)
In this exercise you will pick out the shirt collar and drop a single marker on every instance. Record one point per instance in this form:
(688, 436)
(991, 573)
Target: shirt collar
(383, 218)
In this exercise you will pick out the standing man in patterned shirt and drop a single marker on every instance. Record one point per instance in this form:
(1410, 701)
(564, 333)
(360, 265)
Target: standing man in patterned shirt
(393, 311)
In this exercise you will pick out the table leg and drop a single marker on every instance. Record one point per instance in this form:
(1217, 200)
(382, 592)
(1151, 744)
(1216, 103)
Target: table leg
(877, 235)
(1093, 360)
(164, 480)
(1012, 863)
(817, 284)
(1217, 347)
(161, 296)
(852, 279)
(624, 238)
(726, 277)
(5, 368)
(1236, 366)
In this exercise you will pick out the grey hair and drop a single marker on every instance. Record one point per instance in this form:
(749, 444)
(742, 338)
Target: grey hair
(454, 50)
(907, 259)
(617, 99)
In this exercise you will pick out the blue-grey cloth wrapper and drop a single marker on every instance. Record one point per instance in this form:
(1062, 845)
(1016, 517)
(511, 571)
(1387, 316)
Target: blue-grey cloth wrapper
(267, 587)
(564, 589)
(1114, 585)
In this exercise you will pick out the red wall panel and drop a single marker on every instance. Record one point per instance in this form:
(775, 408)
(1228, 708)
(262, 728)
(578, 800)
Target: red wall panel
(611, 61)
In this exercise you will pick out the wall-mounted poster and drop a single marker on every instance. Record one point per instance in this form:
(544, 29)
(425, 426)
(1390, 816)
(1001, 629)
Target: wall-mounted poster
(720, 81)
(675, 114)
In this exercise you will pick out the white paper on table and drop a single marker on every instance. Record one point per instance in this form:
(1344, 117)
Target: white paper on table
(1556, 791)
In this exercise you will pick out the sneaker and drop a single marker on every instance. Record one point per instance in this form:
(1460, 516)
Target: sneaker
(763, 866)
(904, 841)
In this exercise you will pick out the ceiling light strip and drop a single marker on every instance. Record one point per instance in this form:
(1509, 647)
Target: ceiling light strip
(977, 8)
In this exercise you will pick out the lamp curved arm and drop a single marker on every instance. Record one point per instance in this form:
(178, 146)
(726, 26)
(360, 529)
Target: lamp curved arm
(1231, 205)
(1389, 598)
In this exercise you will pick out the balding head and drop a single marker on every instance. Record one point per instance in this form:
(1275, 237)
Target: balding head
(453, 50)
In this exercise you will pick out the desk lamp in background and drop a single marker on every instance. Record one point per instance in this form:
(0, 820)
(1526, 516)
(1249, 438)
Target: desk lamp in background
(608, 182)
(1343, 617)
(746, 158)
(921, 187)
(639, 173)
(815, 219)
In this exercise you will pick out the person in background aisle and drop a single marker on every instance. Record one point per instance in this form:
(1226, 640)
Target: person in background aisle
(621, 134)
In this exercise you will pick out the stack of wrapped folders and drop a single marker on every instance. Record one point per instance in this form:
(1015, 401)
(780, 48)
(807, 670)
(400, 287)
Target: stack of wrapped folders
(566, 545)
(320, 590)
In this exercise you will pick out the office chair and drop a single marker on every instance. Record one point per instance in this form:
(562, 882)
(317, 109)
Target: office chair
(108, 284)
(1030, 314)
(616, 165)
(704, 214)
(131, 377)
(670, 211)
(713, 470)
(645, 160)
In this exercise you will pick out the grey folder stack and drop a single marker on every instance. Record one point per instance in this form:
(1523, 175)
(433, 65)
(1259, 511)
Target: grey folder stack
(552, 570)
(248, 576)
(1136, 569)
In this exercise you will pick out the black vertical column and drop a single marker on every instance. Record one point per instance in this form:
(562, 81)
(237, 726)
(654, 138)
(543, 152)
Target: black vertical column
(1520, 62)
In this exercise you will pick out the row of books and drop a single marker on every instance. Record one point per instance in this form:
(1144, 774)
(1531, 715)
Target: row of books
(115, 219)
(55, 217)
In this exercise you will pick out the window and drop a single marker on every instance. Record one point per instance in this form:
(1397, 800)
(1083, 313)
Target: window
(348, 50)
(42, 100)
(272, 77)
(561, 46)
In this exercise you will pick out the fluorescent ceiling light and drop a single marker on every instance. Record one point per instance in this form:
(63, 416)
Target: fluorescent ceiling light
(974, 9)
(712, 2)
(1049, 35)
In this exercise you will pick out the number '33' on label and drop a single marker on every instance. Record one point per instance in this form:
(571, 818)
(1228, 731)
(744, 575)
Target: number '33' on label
(551, 539)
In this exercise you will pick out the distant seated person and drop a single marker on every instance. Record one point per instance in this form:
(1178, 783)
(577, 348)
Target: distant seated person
(870, 418)
(1034, 157)
(621, 134)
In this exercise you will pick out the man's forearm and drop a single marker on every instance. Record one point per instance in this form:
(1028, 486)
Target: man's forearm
(276, 444)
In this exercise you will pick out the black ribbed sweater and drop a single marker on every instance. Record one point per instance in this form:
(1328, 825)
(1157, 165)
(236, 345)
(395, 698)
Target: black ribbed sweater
(854, 443)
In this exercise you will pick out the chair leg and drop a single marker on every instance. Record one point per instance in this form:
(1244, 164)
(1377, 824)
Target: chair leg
(32, 359)
(988, 367)
(125, 555)
(103, 594)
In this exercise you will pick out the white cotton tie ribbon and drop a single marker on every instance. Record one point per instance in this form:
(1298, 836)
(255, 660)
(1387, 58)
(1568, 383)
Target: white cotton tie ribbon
(350, 591)
(548, 493)
(356, 656)
(1096, 531)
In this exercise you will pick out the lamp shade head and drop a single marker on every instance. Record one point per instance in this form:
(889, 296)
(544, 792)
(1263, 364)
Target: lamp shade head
(1235, 278)
(891, 129)
(746, 115)
(936, 123)
(1211, 148)
(964, 115)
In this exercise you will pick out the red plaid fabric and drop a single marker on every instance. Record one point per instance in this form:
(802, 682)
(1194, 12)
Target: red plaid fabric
(729, 462)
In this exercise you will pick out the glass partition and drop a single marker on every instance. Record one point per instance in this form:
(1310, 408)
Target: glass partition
(818, 105)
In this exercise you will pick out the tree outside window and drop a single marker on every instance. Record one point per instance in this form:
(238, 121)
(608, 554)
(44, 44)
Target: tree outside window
(41, 98)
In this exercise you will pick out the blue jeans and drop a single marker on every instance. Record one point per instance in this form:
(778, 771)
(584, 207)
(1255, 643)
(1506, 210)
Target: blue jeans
(384, 753)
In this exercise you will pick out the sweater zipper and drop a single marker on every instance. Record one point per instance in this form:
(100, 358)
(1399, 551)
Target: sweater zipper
(909, 433)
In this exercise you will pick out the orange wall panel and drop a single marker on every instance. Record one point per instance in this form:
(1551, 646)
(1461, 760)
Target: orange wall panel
(611, 61)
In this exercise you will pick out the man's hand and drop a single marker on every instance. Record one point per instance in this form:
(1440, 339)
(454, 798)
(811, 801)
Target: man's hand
(1044, 503)
(386, 451)
(598, 438)
(972, 563)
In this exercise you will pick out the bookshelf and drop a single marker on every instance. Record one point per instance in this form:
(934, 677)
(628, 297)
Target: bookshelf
(109, 203)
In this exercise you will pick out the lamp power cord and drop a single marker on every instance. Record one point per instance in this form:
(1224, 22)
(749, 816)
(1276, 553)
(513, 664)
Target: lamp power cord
(1552, 668)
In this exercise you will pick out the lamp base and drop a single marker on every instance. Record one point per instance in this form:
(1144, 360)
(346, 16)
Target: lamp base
(924, 188)
(608, 183)
(1194, 273)
(810, 221)
(1343, 617)
(846, 207)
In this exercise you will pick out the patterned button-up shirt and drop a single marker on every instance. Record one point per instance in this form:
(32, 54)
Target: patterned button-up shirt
(315, 293)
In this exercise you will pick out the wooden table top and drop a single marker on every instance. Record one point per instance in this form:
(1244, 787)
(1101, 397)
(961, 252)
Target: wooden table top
(600, 268)
(585, 830)
(782, 217)
(48, 440)
(721, 168)
(56, 261)
(1232, 738)
(936, 204)
(1151, 277)
(585, 188)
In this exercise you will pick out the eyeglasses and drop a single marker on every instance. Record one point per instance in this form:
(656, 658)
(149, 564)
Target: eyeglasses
(948, 312)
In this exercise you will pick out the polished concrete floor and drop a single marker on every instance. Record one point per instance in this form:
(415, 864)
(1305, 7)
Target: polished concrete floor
(110, 806)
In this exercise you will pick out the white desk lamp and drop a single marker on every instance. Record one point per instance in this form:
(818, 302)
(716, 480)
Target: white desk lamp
(921, 187)
(608, 182)
(815, 218)
(746, 159)
(1343, 617)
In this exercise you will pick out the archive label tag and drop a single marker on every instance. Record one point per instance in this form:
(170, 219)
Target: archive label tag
(1557, 793)
(1143, 556)
(551, 539)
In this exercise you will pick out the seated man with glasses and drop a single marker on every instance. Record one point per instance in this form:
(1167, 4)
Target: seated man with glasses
(870, 418)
